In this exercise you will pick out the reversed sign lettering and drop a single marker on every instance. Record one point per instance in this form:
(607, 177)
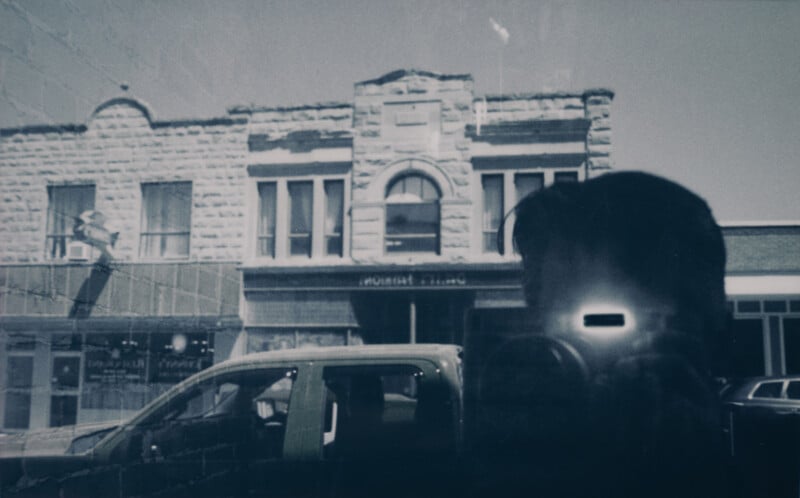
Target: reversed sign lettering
(413, 280)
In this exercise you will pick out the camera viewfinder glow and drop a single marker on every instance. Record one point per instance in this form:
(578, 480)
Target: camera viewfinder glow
(604, 320)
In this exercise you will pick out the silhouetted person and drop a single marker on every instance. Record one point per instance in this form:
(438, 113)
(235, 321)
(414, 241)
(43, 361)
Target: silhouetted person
(627, 409)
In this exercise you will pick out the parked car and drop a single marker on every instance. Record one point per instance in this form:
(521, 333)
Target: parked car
(762, 419)
(339, 421)
(780, 395)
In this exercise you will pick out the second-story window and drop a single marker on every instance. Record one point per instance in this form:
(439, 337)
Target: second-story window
(334, 217)
(501, 190)
(166, 220)
(300, 217)
(492, 211)
(65, 204)
(412, 215)
(565, 177)
(267, 197)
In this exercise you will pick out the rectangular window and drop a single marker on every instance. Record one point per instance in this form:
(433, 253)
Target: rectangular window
(267, 197)
(300, 218)
(65, 204)
(492, 211)
(334, 217)
(747, 347)
(388, 409)
(774, 306)
(791, 338)
(566, 177)
(166, 220)
(749, 306)
(527, 183)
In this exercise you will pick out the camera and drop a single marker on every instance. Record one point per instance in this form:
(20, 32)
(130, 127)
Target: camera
(585, 390)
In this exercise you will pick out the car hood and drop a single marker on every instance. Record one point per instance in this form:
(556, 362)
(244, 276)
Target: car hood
(47, 442)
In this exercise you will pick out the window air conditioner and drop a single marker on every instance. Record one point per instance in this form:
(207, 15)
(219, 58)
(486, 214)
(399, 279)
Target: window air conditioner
(78, 251)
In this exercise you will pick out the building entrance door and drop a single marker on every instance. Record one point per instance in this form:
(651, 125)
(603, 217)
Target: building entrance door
(389, 317)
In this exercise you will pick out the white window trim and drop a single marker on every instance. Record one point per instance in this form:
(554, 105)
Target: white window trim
(318, 205)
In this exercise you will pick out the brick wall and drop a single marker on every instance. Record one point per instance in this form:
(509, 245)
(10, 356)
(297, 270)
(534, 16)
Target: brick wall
(118, 149)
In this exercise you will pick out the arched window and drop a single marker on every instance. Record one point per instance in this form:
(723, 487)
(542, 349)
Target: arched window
(412, 215)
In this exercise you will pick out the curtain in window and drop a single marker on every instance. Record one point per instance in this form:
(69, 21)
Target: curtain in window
(492, 201)
(166, 220)
(492, 210)
(266, 220)
(334, 216)
(527, 183)
(300, 196)
(66, 204)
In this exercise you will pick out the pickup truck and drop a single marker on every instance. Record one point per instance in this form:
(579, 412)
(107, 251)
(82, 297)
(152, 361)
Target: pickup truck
(339, 421)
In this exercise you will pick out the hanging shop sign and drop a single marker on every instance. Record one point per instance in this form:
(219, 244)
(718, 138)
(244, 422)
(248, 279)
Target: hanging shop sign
(90, 228)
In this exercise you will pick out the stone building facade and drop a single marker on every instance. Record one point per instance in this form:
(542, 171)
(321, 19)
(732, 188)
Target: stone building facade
(376, 220)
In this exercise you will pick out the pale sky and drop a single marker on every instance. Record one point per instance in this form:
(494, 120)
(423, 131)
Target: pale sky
(707, 91)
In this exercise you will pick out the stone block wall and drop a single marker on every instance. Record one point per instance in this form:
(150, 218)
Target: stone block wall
(118, 149)
(405, 119)
(526, 107)
(411, 119)
(278, 122)
(598, 140)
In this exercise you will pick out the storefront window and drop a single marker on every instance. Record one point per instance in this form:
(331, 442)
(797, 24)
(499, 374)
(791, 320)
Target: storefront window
(19, 380)
(66, 372)
(63, 410)
(791, 335)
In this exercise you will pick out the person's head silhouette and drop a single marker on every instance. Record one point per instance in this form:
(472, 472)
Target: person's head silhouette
(646, 254)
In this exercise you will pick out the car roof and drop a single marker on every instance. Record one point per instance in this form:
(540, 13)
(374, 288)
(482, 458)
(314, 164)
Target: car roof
(361, 352)
(746, 386)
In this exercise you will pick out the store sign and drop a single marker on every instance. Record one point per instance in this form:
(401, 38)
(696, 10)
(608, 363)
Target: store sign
(114, 368)
(173, 368)
(434, 279)
(91, 230)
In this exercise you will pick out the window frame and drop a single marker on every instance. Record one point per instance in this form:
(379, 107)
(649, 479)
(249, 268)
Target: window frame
(318, 251)
(509, 195)
(28, 349)
(437, 235)
(291, 235)
(51, 236)
(272, 237)
(143, 218)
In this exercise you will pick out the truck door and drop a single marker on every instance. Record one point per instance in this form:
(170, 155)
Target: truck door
(389, 430)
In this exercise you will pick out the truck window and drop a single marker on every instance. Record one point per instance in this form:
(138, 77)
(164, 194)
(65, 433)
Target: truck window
(242, 414)
(387, 410)
(768, 390)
